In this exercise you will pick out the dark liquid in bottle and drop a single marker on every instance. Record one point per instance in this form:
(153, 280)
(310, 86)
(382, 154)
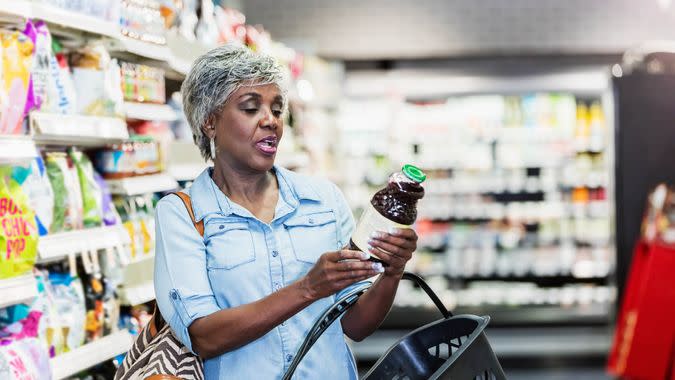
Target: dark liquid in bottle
(396, 202)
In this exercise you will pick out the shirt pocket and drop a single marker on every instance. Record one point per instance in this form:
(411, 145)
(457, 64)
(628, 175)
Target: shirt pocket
(228, 244)
(312, 235)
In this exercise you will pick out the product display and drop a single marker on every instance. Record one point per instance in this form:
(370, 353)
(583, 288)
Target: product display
(141, 83)
(19, 233)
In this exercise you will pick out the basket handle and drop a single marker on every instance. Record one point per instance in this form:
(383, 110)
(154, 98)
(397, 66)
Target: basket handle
(327, 318)
(422, 284)
(345, 303)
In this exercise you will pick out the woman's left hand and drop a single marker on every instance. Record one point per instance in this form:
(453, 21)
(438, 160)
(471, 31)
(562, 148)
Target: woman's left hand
(394, 248)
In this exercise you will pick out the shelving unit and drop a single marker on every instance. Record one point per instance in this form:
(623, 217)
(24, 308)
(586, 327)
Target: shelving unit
(153, 183)
(17, 290)
(90, 131)
(16, 149)
(58, 246)
(149, 111)
(137, 294)
(90, 354)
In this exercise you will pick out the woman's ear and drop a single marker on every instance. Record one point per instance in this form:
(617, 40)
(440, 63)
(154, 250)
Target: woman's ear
(209, 128)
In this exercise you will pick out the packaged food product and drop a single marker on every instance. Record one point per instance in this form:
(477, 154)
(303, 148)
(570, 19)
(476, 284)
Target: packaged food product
(66, 187)
(68, 303)
(109, 213)
(90, 189)
(38, 188)
(117, 161)
(61, 96)
(24, 359)
(97, 81)
(17, 52)
(18, 235)
(395, 206)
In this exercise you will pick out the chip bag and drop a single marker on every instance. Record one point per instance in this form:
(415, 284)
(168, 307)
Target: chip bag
(90, 189)
(17, 53)
(19, 234)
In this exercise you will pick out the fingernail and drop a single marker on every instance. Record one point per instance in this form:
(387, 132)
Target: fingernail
(370, 243)
(377, 267)
(364, 256)
(376, 235)
(394, 231)
(370, 248)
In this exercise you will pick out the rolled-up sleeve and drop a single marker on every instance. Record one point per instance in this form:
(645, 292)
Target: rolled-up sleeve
(182, 287)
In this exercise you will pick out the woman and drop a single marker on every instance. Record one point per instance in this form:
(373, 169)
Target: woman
(244, 295)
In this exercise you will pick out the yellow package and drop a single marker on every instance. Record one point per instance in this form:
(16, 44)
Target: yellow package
(18, 230)
(17, 55)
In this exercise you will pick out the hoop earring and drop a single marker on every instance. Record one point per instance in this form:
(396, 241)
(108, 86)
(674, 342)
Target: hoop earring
(213, 148)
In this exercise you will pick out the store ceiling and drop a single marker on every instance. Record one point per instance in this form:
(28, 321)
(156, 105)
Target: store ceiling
(386, 29)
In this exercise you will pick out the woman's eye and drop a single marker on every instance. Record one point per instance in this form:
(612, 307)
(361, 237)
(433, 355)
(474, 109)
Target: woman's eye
(251, 111)
(277, 113)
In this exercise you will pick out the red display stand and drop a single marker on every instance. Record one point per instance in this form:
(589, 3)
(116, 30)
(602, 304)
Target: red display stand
(644, 340)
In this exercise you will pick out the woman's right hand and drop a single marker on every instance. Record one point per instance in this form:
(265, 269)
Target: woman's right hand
(335, 271)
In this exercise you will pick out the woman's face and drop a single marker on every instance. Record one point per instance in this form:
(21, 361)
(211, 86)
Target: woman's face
(249, 127)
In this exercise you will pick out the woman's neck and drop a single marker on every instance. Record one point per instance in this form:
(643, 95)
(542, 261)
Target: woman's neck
(242, 185)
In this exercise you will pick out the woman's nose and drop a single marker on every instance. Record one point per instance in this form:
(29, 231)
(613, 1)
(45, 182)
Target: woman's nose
(268, 120)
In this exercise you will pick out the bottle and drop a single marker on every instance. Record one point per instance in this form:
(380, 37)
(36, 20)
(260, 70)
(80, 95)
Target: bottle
(395, 206)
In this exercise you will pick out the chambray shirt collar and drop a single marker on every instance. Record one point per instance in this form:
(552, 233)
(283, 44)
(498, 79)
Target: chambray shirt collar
(207, 198)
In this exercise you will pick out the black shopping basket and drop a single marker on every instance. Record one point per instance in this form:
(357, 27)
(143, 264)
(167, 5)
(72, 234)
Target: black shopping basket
(454, 347)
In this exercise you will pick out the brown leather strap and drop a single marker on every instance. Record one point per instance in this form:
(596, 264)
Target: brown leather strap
(188, 205)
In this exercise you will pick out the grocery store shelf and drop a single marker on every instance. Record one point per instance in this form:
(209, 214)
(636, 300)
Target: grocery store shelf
(293, 160)
(186, 172)
(57, 246)
(149, 111)
(16, 149)
(55, 129)
(153, 183)
(137, 294)
(17, 290)
(581, 315)
(90, 354)
(560, 342)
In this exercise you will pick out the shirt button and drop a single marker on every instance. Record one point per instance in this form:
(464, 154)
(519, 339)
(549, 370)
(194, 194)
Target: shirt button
(289, 358)
(174, 295)
(275, 253)
(311, 220)
(276, 286)
(221, 227)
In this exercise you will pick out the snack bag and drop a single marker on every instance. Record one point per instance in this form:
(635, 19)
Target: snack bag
(90, 189)
(40, 71)
(97, 82)
(59, 192)
(61, 97)
(24, 359)
(37, 187)
(75, 194)
(68, 300)
(109, 213)
(17, 52)
(18, 235)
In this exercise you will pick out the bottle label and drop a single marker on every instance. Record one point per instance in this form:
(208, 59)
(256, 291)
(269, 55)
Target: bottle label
(371, 221)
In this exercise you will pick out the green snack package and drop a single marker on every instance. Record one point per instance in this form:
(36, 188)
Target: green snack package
(55, 175)
(91, 192)
(18, 232)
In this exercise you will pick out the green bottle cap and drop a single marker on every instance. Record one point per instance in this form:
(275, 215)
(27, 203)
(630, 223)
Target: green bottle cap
(414, 173)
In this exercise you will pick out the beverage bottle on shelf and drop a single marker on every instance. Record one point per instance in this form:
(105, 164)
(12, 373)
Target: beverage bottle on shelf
(394, 206)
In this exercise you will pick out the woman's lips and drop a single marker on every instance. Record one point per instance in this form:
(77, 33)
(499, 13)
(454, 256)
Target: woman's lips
(267, 147)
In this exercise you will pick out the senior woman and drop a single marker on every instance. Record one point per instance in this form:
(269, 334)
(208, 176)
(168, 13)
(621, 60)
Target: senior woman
(244, 295)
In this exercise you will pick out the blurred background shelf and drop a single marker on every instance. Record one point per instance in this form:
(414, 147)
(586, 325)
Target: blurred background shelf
(152, 183)
(17, 290)
(58, 246)
(149, 111)
(77, 130)
(16, 150)
(81, 358)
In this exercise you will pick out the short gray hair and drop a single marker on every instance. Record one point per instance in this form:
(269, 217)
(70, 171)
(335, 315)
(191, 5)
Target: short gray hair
(218, 74)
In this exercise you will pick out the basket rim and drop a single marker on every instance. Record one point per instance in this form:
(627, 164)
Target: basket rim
(482, 324)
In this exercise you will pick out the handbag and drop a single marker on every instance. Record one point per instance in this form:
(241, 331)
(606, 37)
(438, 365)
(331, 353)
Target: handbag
(156, 353)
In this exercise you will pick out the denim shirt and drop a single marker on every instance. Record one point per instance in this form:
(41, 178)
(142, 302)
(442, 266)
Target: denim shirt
(241, 259)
